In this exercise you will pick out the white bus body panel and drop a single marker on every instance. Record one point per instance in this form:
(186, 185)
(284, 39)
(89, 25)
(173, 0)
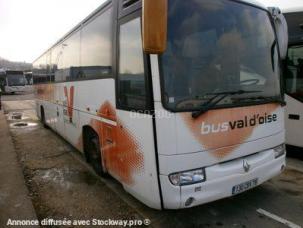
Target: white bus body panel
(294, 127)
(130, 157)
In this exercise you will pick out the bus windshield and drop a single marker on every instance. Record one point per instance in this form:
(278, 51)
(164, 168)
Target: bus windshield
(16, 80)
(218, 47)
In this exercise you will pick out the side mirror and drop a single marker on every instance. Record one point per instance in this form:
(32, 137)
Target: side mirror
(281, 30)
(154, 26)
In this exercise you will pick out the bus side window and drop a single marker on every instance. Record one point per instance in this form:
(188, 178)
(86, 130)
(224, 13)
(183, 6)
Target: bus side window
(294, 72)
(132, 92)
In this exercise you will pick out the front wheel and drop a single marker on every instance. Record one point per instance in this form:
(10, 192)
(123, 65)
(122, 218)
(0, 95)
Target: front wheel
(94, 154)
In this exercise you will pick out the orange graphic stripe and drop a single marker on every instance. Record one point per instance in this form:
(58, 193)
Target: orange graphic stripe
(224, 140)
(122, 154)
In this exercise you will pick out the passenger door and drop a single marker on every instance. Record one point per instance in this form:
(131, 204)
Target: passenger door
(134, 162)
(59, 99)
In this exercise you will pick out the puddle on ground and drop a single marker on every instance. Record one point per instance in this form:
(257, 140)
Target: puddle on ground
(17, 116)
(22, 125)
(65, 177)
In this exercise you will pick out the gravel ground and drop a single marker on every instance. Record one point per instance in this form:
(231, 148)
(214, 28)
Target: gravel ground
(59, 186)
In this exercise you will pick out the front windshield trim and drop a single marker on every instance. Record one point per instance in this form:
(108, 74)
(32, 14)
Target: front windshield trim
(279, 98)
(12, 77)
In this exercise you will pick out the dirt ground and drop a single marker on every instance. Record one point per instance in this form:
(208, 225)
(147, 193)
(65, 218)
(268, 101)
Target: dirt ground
(59, 186)
(62, 185)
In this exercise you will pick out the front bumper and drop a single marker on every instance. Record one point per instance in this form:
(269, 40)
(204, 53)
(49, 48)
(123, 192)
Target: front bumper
(15, 89)
(220, 180)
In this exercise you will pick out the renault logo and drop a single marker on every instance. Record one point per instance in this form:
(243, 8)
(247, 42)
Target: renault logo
(246, 166)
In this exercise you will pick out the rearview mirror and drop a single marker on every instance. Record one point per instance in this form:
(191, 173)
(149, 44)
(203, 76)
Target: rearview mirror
(154, 26)
(281, 30)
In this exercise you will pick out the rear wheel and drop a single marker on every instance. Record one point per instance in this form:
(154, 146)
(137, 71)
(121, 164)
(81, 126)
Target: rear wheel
(94, 155)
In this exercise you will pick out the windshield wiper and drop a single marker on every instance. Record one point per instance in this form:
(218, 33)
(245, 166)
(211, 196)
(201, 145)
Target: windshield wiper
(205, 107)
(269, 99)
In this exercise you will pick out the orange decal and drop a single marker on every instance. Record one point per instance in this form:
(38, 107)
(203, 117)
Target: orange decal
(70, 101)
(120, 151)
(224, 128)
(44, 92)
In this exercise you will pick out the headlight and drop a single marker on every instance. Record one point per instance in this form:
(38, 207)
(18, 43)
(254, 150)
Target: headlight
(279, 150)
(187, 177)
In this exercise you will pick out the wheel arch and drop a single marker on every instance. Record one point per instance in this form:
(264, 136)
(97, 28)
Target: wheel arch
(87, 132)
(42, 111)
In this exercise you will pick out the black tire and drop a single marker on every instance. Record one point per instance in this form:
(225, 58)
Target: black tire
(43, 118)
(94, 156)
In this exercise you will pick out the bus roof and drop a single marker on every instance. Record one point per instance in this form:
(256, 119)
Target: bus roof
(286, 6)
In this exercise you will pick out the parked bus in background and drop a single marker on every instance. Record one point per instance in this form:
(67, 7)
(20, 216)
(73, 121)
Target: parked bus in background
(12, 81)
(293, 70)
(294, 76)
(180, 101)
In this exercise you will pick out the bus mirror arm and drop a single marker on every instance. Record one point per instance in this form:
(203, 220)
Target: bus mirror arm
(281, 30)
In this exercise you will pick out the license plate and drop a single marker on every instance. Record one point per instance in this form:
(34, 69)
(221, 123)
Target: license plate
(244, 186)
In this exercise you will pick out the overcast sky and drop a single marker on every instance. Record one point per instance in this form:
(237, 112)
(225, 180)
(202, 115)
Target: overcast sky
(29, 27)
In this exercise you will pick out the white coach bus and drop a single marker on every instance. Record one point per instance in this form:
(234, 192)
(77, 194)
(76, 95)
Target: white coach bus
(180, 101)
(294, 75)
(12, 81)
